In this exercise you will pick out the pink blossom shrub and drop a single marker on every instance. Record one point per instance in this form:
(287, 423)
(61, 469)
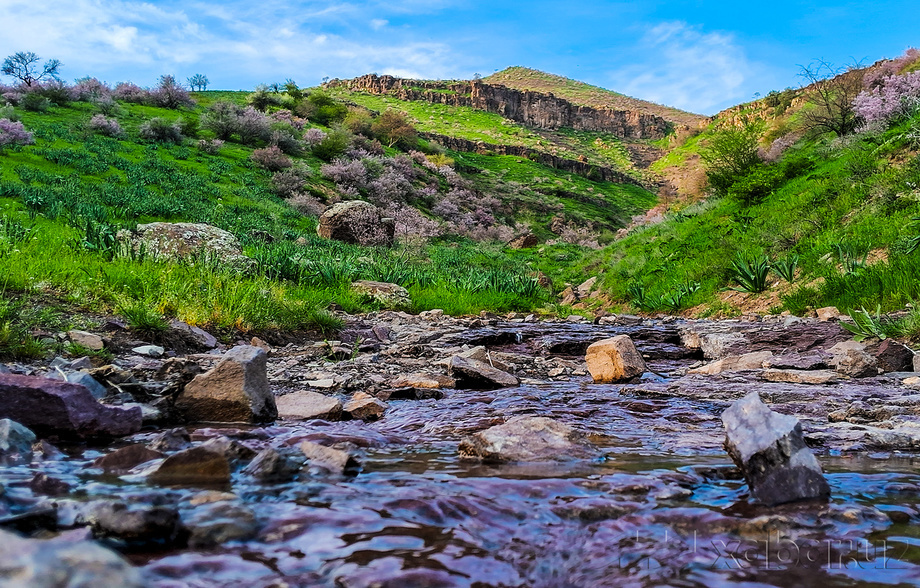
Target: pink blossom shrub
(210, 146)
(105, 126)
(13, 133)
(170, 94)
(271, 158)
(128, 92)
(314, 137)
(893, 97)
(90, 90)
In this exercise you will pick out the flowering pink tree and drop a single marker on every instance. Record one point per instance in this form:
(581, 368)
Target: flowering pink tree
(891, 98)
(13, 133)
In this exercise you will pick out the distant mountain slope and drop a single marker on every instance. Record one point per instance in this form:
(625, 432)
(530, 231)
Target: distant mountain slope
(523, 78)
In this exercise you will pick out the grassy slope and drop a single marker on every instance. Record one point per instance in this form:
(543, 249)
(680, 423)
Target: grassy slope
(522, 78)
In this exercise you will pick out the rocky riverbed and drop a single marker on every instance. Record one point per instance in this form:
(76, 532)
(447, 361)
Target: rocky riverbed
(433, 451)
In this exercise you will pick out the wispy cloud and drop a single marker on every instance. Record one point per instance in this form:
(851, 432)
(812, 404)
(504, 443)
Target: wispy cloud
(687, 68)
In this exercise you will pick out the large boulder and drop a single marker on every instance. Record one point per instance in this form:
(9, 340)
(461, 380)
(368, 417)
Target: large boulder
(59, 563)
(527, 439)
(191, 242)
(15, 443)
(236, 390)
(356, 222)
(392, 296)
(614, 360)
(478, 375)
(770, 450)
(62, 409)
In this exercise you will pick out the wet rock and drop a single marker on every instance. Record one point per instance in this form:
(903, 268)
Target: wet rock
(48, 486)
(333, 460)
(235, 390)
(480, 353)
(527, 439)
(33, 563)
(734, 363)
(812, 360)
(389, 295)
(171, 440)
(194, 466)
(356, 222)
(52, 408)
(856, 364)
(800, 376)
(861, 413)
(410, 393)
(136, 524)
(771, 452)
(364, 407)
(275, 465)
(525, 241)
(717, 340)
(614, 360)
(422, 380)
(217, 523)
(477, 375)
(86, 339)
(126, 458)
(894, 357)
(149, 350)
(232, 450)
(306, 405)
(15, 443)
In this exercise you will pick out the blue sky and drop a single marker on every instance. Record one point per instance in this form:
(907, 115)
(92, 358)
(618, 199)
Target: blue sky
(700, 56)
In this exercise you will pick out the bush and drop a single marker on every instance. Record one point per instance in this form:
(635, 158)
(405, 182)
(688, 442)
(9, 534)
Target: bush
(323, 109)
(56, 92)
(271, 158)
(129, 92)
(285, 138)
(252, 126)
(169, 94)
(392, 128)
(211, 147)
(893, 97)
(289, 182)
(262, 98)
(9, 113)
(13, 133)
(35, 102)
(757, 184)
(221, 119)
(333, 145)
(731, 153)
(161, 130)
(314, 137)
(105, 126)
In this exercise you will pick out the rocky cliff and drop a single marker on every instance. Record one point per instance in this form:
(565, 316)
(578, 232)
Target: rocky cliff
(535, 109)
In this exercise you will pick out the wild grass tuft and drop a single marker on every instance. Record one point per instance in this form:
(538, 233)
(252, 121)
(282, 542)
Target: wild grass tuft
(750, 272)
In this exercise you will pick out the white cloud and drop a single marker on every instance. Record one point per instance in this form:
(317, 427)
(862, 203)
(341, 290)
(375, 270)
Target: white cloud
(686, 68)
(379, 23)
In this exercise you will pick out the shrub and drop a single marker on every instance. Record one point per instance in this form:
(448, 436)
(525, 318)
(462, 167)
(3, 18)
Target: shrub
(271, 158)
(35, 102)
(392, 128)
(285, 138)
(314, 137)
(106, 105)
(358, 121)
(9, 113)
(289, 182)
(105, 126)
(211, 147)
(345, 173)
(252, 126)
(90, 90)
(307, 205)
(323, 109)
(333, 145)
(785, 268)
(892, 98)
(170, 94)
(13, 133)
(731, 153)
(161, 130)
(262, 98)
(56, 91)
(221, 119)
(129, 92)
(757, 184)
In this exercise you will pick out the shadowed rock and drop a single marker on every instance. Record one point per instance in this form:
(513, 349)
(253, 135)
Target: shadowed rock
(133, 524)
(236, 390)
(55, 408)
(329, 458)
(356, 222)
(614, 360)
(478, 375)
(770, 450)
(15, 443)
(122, 460)
(198, 465)
(527, 439)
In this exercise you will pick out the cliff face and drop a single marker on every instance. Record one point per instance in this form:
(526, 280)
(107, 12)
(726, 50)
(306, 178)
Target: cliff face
(533, 109)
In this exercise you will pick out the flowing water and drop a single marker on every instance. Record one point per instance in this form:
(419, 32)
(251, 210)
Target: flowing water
(664, 506)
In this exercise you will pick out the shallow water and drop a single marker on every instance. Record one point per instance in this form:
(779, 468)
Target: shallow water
(663, 506)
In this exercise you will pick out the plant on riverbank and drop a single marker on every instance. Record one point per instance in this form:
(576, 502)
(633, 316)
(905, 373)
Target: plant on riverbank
(785, 268)
(750, 272)
(867, 326)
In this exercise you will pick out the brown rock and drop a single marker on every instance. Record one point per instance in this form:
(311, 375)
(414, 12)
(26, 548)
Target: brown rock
(527, 439)
(122, 460)
(306, 405)
(62, 409)
(478, 375)
(356, 222)
(88, 340)
(856, 364)
(894, 357)
(800, 376)
(192, 466)
(734, 363)
(568, 297)
(828, 313)
(584, 289)
(334, 460)
(614, 360)
(235, 391)
(422, 380)
(364, 407)
(525, 241)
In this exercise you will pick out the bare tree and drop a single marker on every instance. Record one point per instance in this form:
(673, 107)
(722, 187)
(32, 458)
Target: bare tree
(199, 81)
(24, 67)
(830, 92)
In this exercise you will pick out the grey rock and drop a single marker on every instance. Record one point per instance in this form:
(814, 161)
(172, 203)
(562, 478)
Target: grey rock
(856, 364)
(171, 440)
(478, 375)
(217, 523)
(812, 360)
(771, 452)
(356, 222)
(15, 443)
(527, 439)
(149, 350)
(275, 465)
(33, 563)
(4, 369)
(916, 361)
(200, 336)
(236, 390)
(305, 405)
(87, 381)
(136, 524)
(81, 363)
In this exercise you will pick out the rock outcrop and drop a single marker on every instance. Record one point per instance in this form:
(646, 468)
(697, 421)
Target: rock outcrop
(52, 408)
(235, 391)
(356, 222)
(190, 242)
(771, 452)
(614, 360)
(392, 296)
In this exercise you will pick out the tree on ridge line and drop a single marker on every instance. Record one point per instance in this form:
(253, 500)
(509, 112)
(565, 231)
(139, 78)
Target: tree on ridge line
(23, 66)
